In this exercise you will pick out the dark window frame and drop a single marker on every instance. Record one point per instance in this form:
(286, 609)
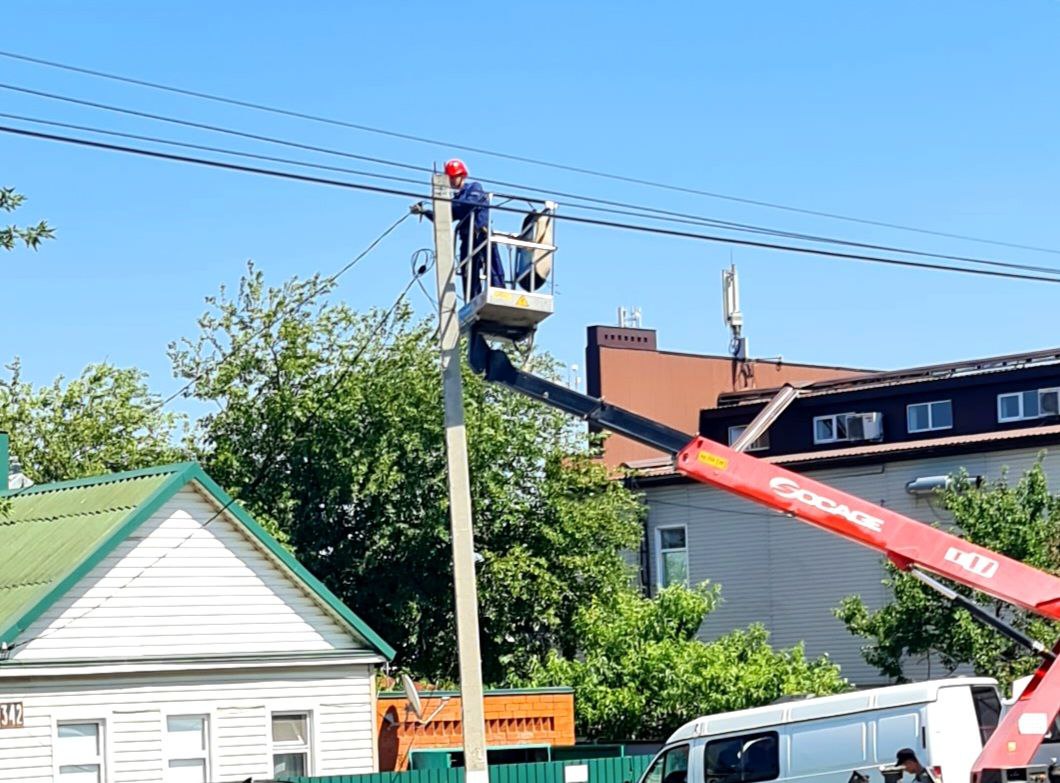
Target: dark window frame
(986, 729)
(740, 776)
(931, 425)
(761, 443)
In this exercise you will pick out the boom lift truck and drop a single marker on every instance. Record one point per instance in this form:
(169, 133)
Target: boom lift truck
(512, 316)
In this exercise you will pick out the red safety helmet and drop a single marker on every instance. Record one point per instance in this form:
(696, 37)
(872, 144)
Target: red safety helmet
(455, 168)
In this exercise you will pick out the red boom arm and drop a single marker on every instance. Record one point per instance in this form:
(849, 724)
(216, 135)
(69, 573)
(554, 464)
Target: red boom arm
(907, 543)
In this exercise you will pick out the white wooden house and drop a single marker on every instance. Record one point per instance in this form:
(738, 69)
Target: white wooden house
(150, 630)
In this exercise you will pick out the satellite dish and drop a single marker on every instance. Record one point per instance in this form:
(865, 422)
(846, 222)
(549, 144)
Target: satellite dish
(412, 695)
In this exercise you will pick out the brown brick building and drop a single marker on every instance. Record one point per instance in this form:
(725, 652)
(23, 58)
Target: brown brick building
(625, 367)
(521, 725)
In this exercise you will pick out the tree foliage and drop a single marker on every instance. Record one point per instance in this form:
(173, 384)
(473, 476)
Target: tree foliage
(641, 671)
(1021, 521)
(29, 236)
(106, 420)
(331, 430)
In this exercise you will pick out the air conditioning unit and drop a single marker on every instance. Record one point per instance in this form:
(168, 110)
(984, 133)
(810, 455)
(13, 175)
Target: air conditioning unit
(865, 426)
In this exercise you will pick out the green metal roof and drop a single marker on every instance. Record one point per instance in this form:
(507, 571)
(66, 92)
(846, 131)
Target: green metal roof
(52, 535)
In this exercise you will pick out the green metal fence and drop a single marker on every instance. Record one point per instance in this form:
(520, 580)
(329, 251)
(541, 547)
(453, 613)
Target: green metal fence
(626, 769)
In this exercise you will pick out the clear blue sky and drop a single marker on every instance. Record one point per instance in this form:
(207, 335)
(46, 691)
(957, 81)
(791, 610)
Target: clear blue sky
(942, 115)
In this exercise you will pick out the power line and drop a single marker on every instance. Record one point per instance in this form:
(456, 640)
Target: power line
(635, 210)
(321, 288)
(650, 213)
(208, 127)
(261, 474)
(679, 217)
(235, 349)
(567, 218)
(508, 156)
(207, 148)
(671, 216)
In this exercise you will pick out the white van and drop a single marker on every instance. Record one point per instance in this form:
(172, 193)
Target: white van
(824, 740)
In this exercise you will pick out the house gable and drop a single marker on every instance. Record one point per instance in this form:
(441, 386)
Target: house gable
(186, 572)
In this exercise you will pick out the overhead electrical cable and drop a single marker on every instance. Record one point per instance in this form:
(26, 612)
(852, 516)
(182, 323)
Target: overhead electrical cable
(679, 217)
(276, 110)
(206, 126)
(234, 350)
(825, 253)
(264, 468)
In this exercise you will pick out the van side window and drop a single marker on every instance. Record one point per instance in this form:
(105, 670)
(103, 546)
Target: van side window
(670, 767)
(987, 710)
(743, 759)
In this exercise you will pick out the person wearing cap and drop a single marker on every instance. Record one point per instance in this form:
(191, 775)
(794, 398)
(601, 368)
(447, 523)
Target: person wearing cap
(907, 758)
(471, 215)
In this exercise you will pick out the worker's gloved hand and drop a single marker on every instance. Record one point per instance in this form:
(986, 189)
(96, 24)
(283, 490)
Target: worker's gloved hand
(423, 209)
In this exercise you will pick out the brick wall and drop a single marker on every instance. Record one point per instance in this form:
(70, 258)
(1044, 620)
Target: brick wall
(530, 717)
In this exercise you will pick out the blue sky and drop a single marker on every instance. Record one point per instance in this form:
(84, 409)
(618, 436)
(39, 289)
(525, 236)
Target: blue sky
(940, 115)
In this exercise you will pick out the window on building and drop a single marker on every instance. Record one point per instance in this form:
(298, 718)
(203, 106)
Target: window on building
(670, 767)
(187, 749)
(743, 759)
(673, 556)
(829, 429)
(758, 444)
(79, 751)
(927, 416)
(838, 427)
(290, 743)
(1033, 404)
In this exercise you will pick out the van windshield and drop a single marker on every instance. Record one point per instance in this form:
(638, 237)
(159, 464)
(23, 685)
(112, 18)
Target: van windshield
(987, 710)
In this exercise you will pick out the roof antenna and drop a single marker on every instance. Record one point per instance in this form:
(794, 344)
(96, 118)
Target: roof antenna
(730, 295)
(629, 319)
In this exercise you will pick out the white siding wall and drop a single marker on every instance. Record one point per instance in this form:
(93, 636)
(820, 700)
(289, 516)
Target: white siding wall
(790, 576)
(238, 704)
(241, 733)
(179, 586)
(26, 754)
(134, 737)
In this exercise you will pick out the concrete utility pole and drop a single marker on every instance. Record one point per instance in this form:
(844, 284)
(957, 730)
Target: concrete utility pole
(471, 696)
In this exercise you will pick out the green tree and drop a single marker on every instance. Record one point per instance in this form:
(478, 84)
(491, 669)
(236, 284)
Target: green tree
(641, 672)
(30, 236)
(331, 430)
(103, 421)
(1021, 521)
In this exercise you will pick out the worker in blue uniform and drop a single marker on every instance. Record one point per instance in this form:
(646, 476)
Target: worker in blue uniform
(471, 218)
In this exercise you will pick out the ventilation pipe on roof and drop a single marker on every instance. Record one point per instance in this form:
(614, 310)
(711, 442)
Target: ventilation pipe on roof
(16, 479)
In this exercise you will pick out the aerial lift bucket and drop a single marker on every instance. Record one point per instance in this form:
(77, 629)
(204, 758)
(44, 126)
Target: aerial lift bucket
(512, 311)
